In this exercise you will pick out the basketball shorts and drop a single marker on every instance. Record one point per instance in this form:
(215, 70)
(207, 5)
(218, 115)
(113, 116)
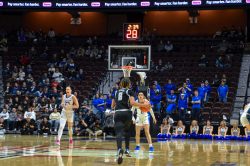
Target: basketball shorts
(142, 119)
(67, 115)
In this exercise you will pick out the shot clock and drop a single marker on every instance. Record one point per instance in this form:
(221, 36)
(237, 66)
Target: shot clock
(131, 31)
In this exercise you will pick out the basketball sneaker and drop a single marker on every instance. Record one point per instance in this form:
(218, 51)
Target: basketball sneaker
(137, 148)
(58, 142)
(151, 149)
(127, 153)
(120, 155)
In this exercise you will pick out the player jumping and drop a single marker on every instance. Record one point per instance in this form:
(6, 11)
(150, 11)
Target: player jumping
(245, 117)
(69, 102)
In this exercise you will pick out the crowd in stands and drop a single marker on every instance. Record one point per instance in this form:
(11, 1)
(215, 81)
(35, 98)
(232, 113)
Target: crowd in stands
(34, 104)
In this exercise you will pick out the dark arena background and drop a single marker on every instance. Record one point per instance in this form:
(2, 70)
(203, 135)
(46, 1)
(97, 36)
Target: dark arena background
(190, 58)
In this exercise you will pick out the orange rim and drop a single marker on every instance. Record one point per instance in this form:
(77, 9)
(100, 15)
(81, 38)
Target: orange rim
(127, 67)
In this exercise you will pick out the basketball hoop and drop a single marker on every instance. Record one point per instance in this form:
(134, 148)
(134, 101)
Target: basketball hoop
(127, 70)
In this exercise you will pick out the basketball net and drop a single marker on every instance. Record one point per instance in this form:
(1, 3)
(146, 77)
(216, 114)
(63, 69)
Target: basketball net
(127, 70)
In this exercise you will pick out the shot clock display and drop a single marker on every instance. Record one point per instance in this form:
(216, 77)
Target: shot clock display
(131, 31)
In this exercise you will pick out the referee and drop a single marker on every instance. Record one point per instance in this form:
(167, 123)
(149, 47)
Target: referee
(121, 103)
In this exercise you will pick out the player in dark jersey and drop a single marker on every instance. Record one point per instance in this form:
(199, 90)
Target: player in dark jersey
(121, 103)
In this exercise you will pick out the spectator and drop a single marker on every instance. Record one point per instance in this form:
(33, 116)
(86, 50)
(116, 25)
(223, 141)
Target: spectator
(185, 89)
(32, 52)
(155, 98)
(101, 108)
(168, 46)
(202, 92)
(63, 64)
(29, 80)
(53, 105)
(45, 127)
(7, 89)
(171, 102)
(81, 74)
(208, 90)
(224, 78)
(21, 75)
(169, 86)
(203, 61)
(90, 118)
(15, 89)
(39, 93)
(24, 88)
(71, 67)
(160, 46)
(194, 128)
(13, 119)
(235, 130)
(30, 114)
(33, 88)
(80, 52)
(5, 116)
(55, 119)
(189, 87)
(216, 80)
(28, 126)
(3, 44)
(7, 71)
(196, 101)
(51, 69)
(228, 60)
(208, 128)
(57, 76)
(81, 128)
(2, 126)
(165, 126)
(95, 103)
(222, 129)
(182, 106)
(160, 66)
(96, 128)
(180, 128)
(219, 63)
(222, 92)
(51, 34)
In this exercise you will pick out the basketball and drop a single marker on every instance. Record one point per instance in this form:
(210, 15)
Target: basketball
(143, 109)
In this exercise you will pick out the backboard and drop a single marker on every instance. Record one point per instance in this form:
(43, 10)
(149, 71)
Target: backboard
(138, 56)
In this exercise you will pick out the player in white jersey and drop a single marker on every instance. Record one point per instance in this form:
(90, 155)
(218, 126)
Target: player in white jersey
(245, 117)
(142, 121)
(69, 102)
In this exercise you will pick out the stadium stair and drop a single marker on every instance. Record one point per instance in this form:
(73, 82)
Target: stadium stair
(243, 90)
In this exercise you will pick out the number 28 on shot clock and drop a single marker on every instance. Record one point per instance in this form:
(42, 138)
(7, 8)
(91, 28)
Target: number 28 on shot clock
(131, 31)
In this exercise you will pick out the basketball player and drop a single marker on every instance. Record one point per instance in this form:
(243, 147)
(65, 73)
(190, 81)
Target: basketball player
(123, 98)
(69, 102)
(245, 117)
(142, 121)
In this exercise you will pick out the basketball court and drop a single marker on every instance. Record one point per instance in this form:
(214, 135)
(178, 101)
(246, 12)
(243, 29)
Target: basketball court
(38, 150)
